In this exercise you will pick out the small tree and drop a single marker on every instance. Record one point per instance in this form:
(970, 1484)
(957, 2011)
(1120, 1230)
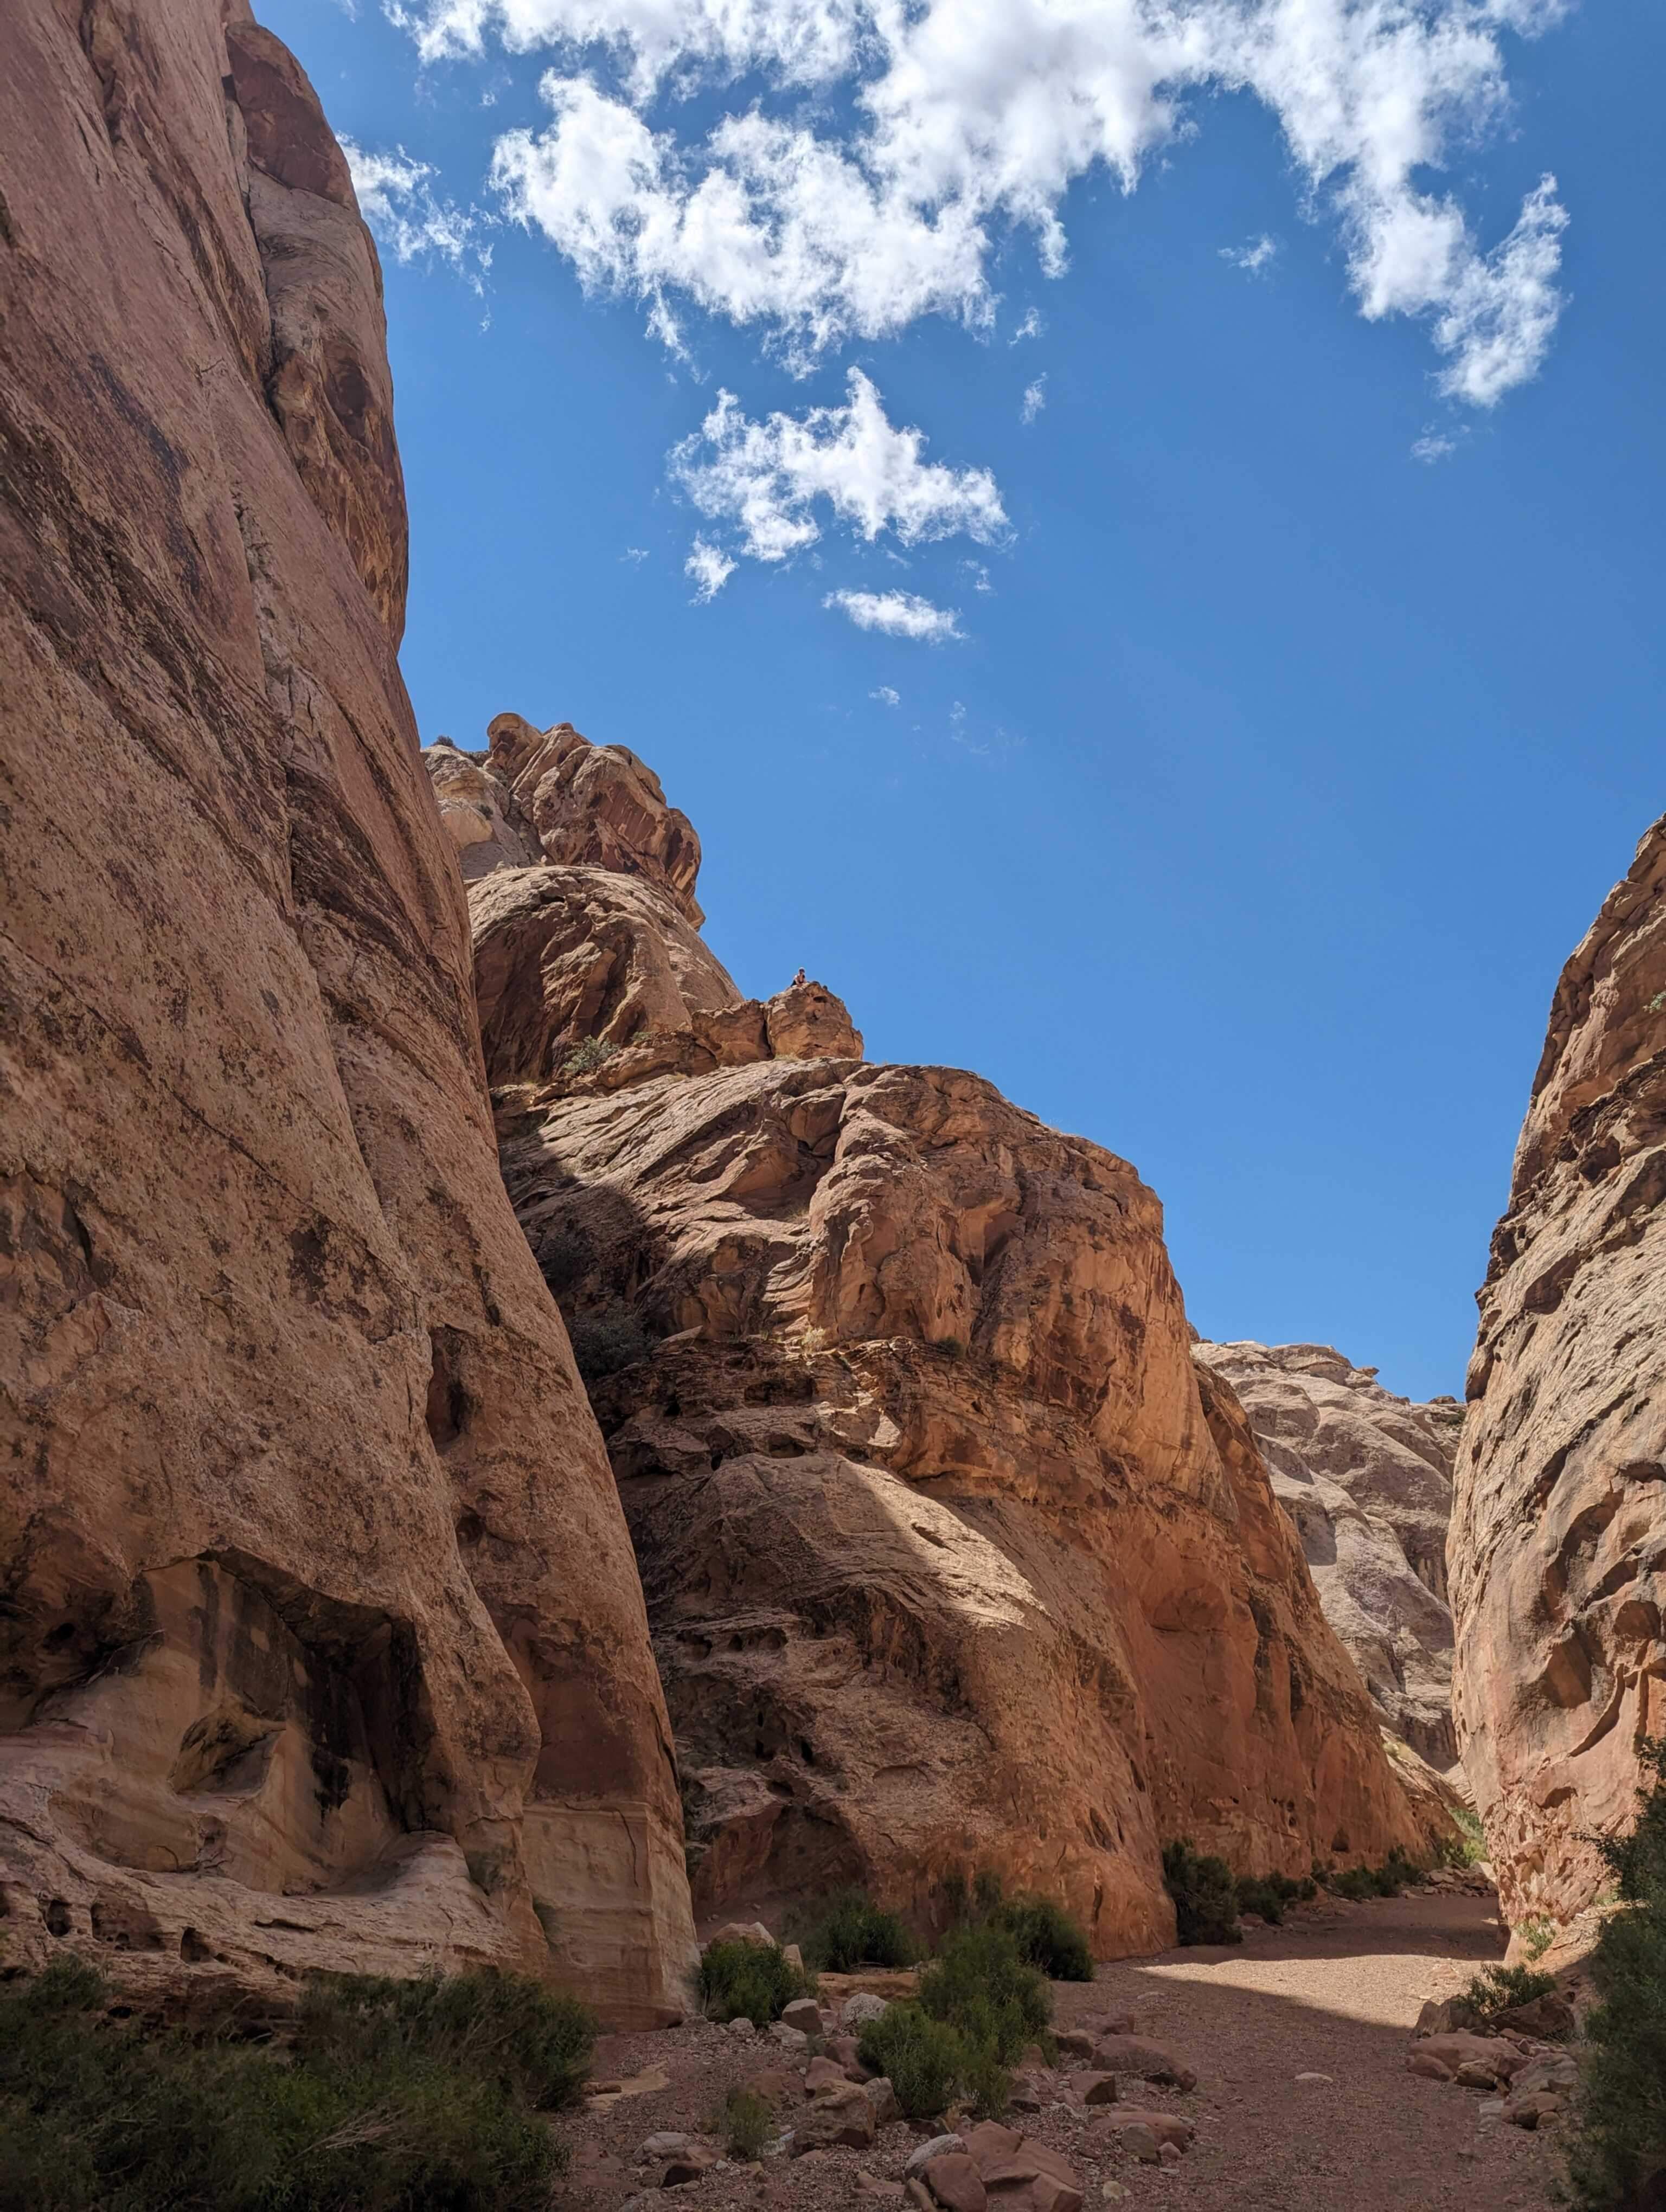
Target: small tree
(1619, 2142)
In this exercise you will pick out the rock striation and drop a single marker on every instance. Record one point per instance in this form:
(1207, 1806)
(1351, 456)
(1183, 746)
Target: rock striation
(1367, 1479)
(1557, 1549)
(322, 1644)
(954, 1558)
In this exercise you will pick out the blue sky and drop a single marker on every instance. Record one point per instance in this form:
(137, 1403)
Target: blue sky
(1302, 696)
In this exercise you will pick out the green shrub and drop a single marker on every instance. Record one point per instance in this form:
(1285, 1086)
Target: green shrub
(589, 1054)
(533, 2043)
(1500, 1988)
(980, 1984)
(395, 2096)
(607, 1342)
(749, 2122)
(749, 1981)
(1386, 1881)
(1049, 1938)
(849, 1930)
(1537, 1935)
(1469, 1847)
(1204, 1899)
(926, 2060)
(1619, 2138)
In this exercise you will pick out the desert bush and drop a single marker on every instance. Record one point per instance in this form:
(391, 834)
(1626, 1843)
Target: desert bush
(980, 1984)
(749, 1981)
(1396, 1871)
(589, 1054)
(748, 2123)
(1618, 2145)
(1469, 1846)
(1537, 1935)
(1047, 1937)
(926, 2060)
(394, 2096)
(1205, 1897)
(1500, 1988)
(848, 1929)
(604, 1343)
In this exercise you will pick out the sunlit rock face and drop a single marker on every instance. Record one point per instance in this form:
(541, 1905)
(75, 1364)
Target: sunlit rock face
(954, 1558)
(1559, 1539)
(322, 1644)
(1366, 1477)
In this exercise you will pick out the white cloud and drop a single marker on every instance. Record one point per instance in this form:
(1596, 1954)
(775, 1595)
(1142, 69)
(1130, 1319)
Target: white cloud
(1433, 446)
(979, 575)
(710, 569)
(1253, 258)
(636, 554)
(898, 614)
(886, 696)
(1035, 398)
(765, 478)
(958, 119)
(1031, 327)
(408, 218)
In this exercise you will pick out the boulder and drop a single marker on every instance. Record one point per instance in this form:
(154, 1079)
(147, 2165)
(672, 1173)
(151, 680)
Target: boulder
(933, 2146)
(692, 2163)
(805, 2014)
(741, 1931)
(856, 2011)
(776, 2085)
(1460, 2048)
(292, 1422)
(1551, 2017)
(1129, 2054)
(823, 2074)
(1127, 2123)
(1559, 1522)
(1096, 2089)
(954, 2183)
(793, 2040)
(883, 2098)
(843, 2115)
(1424, 2062)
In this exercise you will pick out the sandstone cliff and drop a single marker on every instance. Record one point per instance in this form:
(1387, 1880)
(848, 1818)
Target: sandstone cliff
(954, 1558)
(1367, 1479)
(1558, 1548)
(322, 1641)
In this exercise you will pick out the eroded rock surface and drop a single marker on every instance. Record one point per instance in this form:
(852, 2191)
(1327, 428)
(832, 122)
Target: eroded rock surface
(322, 1643)
(1367, 1479)
(954, 1556)
(1559, 1539)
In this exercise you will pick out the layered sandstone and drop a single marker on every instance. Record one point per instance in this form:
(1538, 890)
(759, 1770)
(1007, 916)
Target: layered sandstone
(1367, 1479)
(1557, 1549)
(322, 1643)
(954, 1556)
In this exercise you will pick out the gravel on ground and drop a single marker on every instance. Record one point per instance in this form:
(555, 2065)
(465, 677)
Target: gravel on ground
(1333, 1993)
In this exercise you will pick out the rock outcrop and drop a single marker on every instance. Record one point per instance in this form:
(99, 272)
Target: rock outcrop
(1367, 1479)
(954, 1556)
(322, 1643)
(1557, 1549)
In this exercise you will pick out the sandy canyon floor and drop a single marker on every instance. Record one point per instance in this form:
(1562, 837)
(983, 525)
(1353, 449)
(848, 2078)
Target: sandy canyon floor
(1334, 1992)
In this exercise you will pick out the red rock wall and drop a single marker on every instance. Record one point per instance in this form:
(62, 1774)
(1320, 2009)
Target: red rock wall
(322, 1643)
(954, 1560)
(1558, 1551)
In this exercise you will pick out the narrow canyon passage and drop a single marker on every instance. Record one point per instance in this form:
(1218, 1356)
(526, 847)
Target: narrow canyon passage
(1335, 1991)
